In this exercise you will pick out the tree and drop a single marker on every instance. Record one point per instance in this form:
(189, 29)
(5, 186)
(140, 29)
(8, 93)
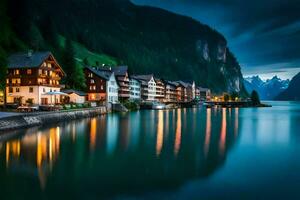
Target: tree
(3, 72)
(255, 98)
(74, 73)
(86, 61)
(226, 97)
(35, 38)
(234, 95)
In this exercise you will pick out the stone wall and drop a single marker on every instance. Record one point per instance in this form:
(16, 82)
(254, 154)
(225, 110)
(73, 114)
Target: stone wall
(36, 119)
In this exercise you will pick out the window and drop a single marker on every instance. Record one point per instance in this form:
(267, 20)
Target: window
(16, 72)
(29, 71)
(91, 75)
(17, 89)
(10, 90)
(31, 90)
(92, 81)
(44, 89)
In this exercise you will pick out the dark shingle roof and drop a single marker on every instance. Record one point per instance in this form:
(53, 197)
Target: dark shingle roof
(23, 60)
(100, 72)
(144, 77)
(120, 70)
(70, 91)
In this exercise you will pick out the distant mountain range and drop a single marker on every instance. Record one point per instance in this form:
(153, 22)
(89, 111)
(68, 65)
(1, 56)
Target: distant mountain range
(292, 93)
(268, 89)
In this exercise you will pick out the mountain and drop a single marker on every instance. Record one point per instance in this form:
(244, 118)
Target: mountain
(292, 93)
(147, 39)
(268, 89)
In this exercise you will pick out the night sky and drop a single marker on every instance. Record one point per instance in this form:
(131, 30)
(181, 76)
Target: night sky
(263, 34)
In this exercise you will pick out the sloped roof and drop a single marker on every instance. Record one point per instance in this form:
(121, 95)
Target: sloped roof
(24, 60)
(144, 77)
(169, 83)
(120, 70)
(70, 91)
(105, 74)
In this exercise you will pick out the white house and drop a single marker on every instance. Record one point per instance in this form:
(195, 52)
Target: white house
(112, 89)
(75, 96)
(148, 87)
(134, 89)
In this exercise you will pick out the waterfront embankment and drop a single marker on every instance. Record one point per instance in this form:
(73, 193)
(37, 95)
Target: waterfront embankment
(25, 120)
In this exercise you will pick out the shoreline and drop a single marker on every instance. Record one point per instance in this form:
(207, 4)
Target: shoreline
(26, 120)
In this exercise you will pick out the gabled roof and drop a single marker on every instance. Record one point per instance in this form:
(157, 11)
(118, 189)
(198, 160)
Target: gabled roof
(184, 84)
(70, 91)
(25, 60)
(120, 70)
(169, 83)
(134, 78)
(147, 77)
(102, 73)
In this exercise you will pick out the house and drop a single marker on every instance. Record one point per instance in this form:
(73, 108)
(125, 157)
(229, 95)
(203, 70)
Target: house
(205, 94)
(184, 91)
(122, 77)
(134, 89)
(74, 96)
(101, 85)
(31, 75)
(170, 92)
(148, 87)
(160, 90)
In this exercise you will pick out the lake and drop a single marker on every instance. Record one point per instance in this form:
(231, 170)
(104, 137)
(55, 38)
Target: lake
(249, 153)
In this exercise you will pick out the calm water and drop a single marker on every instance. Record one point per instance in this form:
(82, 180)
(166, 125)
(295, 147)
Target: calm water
(176, 154)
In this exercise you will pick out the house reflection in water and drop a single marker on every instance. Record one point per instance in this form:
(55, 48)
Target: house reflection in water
(160, 133)
(208, 132)
(178, 133)
(117, 147)
(34, 152)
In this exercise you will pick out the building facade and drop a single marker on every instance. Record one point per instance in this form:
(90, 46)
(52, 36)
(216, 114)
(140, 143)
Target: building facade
(134, 89)
(30, 76)
(170, 92)
(101, 85)
(148, 87)
(75, 96)
(122, 77)
(160, 90)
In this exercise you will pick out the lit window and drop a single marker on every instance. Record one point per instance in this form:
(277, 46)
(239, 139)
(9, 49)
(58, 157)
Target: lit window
(16, 72)
(29, 71)
(92, 81)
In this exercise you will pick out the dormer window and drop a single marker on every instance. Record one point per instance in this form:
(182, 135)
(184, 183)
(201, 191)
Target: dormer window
(29, 71)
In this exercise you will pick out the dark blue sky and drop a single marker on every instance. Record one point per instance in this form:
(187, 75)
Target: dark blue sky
(263, 34)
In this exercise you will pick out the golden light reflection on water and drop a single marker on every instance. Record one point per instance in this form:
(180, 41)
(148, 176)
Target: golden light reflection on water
(160, 132)
(208, 132)
(222, 143)
(93, 134)
(178, 133)
(45, 147)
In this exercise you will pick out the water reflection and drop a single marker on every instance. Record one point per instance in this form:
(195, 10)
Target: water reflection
(104, 150)
(160, 132)
(178, 132)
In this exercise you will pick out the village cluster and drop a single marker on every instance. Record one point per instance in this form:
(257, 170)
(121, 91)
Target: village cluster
(34, 78)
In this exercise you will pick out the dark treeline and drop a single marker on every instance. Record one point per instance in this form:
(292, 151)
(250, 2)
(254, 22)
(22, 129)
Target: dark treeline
(148, 40)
